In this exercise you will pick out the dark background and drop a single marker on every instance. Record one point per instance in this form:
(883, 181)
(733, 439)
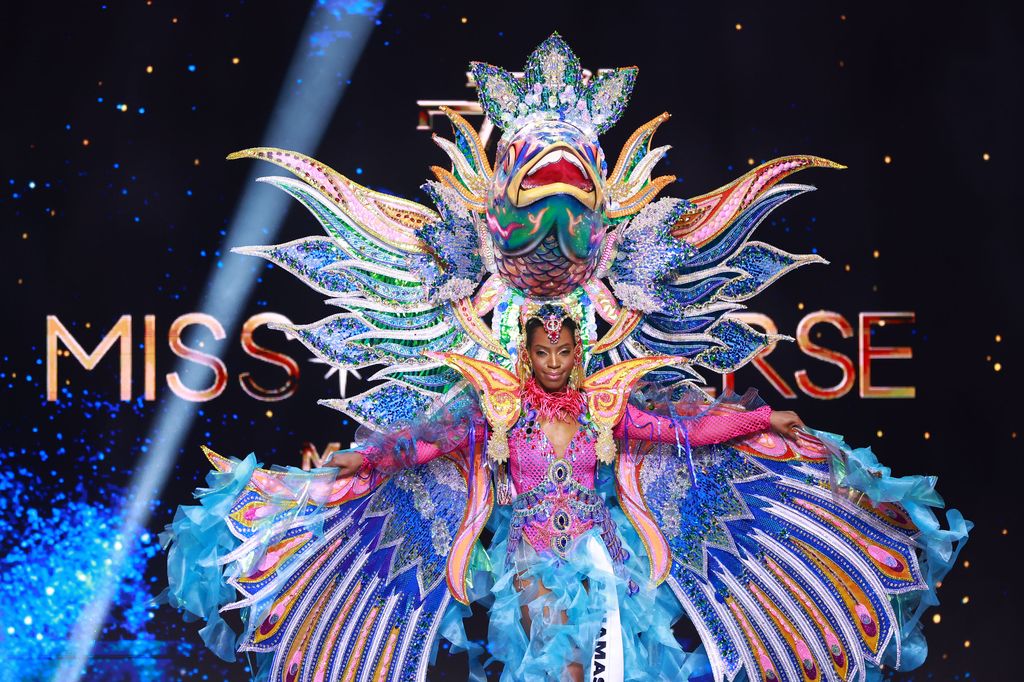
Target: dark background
(131, 224)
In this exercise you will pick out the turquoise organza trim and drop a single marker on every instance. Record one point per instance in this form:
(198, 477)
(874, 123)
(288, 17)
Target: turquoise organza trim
(939, 547)
(195, 541)
(650, 650)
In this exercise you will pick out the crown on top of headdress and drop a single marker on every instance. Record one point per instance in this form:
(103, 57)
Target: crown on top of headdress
(553, 89)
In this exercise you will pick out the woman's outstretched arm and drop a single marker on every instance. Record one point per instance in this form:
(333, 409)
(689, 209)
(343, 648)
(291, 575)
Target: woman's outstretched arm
(350, 462)
(710, 428)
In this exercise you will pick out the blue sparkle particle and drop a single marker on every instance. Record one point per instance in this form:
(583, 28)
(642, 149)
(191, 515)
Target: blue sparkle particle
(192, 68)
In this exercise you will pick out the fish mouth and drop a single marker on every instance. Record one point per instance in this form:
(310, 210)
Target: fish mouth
(558, 170)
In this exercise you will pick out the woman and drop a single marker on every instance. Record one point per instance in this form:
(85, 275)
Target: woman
(557, 515)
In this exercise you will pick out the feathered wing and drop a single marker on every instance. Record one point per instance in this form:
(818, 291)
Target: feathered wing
(784, 575)
(344, 582)
(678, 268)
(404, 274)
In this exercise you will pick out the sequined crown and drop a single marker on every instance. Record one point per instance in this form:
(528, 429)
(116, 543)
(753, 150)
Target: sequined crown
(553, 89)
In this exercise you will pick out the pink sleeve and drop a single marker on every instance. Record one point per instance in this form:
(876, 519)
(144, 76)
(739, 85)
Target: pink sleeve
(399, 457)
(711, 428)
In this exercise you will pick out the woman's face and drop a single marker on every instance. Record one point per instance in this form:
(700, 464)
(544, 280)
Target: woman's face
(552, 362)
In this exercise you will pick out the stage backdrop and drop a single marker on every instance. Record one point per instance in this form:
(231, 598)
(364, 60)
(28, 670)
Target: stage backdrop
(133, 335)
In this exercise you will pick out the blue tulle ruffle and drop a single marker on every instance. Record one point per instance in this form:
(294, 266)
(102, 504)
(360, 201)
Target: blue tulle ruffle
(650, 649)
(195, 541)
(939, 547)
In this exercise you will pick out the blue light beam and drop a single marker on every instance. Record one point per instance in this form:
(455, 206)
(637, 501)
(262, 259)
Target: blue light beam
(316, 79)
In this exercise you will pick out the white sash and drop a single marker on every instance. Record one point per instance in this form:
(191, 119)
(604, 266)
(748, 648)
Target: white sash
(606, 664)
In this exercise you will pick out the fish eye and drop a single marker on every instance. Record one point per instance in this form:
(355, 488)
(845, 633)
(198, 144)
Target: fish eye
(510, 158)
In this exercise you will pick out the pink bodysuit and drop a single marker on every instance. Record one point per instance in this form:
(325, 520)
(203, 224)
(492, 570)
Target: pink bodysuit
(556, 501)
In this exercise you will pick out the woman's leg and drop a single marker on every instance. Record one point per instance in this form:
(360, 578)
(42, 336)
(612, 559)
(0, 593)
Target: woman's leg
(536, 589)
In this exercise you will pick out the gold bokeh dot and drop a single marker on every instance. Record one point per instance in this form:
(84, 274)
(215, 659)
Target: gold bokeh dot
(739, 27)
(879, 433)
(985, 156)
(887, 159)
(927, 435)
(998, 366)
(965, 600)
(937, 618)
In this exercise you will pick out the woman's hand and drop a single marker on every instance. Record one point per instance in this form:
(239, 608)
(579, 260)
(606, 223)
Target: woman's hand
(348, 462)
(786, 423)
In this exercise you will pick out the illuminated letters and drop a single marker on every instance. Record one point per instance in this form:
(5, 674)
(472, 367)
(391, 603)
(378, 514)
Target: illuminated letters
(249, 384)
(56, 333)
(803, 338)
(121, 330)
(869, 352)
(220, 372)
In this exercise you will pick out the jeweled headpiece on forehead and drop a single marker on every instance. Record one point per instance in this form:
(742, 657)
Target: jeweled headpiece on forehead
(551, 315)
(553, 89)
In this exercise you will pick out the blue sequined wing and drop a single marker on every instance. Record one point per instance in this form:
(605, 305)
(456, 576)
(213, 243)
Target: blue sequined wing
(686, 266)
(783, 574)
(339, 583)
(403, 274)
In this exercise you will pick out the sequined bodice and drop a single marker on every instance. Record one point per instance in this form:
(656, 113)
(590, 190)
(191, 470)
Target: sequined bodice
(531, 454)
(555, 501)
